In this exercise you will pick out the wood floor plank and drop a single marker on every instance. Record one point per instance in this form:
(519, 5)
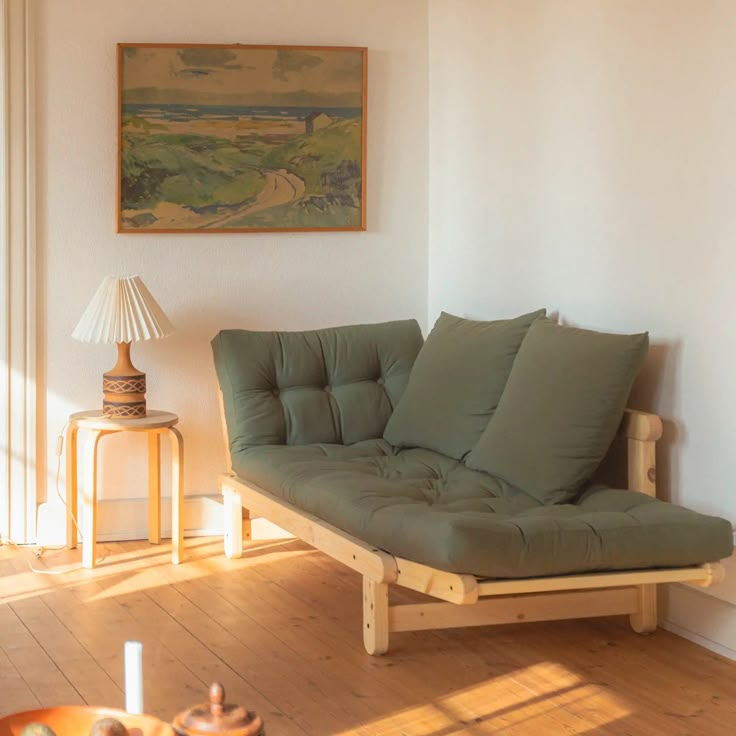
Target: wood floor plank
(47, 683)
(342, 640)
(230, 630)
(227, 656)
(458, 669)
(168, 614)
(15, 693)
(103, 625)
(679, 695)
(301, 628)
(281, 628)
(78, 666)
(461, 708)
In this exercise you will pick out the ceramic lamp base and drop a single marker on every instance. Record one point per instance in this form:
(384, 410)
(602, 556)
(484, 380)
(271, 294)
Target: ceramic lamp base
(124, 396)
(124, 388)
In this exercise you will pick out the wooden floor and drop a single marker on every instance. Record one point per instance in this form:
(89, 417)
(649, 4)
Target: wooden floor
(281, 628)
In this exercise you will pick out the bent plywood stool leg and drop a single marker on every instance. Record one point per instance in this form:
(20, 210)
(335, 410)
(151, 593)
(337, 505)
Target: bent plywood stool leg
(97, 425)
(89, 499)
(177, 495)
(72, 510)
(154, 488)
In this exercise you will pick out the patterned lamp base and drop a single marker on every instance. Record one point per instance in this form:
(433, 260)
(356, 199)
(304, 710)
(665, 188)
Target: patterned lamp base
(124, 388)
(125, 396)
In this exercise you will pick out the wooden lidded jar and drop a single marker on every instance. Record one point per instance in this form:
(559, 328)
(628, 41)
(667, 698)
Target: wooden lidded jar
(218, 717)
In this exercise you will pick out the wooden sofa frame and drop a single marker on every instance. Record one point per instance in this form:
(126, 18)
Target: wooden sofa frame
(465, 599)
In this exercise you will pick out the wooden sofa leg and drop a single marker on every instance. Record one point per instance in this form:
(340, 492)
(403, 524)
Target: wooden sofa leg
(375, 616)
(644, 621)
(233, 523)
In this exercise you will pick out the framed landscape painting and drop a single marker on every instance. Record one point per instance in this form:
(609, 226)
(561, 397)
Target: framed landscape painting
(234, 138)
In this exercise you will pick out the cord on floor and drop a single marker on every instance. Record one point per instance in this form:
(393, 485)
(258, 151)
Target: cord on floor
(38, 551)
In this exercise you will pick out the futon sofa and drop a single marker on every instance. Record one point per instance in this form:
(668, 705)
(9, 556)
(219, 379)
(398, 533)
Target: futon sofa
(463, 467)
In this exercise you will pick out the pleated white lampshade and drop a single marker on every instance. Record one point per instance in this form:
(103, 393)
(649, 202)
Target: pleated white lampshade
(122, 310)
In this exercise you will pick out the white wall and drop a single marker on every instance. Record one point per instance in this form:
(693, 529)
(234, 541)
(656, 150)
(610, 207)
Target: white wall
(583, 158)
(209, 282)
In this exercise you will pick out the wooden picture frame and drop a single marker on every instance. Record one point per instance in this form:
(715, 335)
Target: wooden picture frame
(236, 138)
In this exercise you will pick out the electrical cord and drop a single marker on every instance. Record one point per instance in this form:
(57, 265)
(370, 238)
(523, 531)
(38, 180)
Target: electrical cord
(41, 549)
(59, 453)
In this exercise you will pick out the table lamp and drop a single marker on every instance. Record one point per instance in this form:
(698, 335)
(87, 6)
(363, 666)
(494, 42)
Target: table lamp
(123, 311)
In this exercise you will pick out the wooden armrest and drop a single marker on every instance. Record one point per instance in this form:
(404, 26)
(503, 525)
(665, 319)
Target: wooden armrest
(641, 425)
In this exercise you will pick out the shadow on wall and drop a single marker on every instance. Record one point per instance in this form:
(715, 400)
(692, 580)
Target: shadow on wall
(655, 390)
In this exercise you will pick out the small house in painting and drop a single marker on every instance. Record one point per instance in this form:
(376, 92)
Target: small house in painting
(315, 121)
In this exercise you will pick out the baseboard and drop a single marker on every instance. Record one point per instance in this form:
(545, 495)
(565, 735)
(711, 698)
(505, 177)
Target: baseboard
(697, 615)
(703, 641)
(122, 519)
(706, 616)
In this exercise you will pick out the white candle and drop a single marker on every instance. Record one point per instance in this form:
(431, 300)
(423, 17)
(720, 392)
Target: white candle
(134, 677)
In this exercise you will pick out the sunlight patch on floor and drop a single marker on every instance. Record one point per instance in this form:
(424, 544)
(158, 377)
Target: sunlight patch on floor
(121, 571)
(523, 701)
(146, 573)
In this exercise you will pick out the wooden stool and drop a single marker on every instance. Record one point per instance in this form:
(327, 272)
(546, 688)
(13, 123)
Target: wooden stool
(154, 424)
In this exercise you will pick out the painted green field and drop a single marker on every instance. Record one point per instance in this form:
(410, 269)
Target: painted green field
(252, 177)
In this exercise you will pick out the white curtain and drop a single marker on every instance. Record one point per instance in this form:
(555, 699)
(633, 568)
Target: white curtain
(18, 421)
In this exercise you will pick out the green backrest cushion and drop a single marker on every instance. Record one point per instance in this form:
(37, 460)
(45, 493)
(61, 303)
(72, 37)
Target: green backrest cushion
(561, 408)
(337, 385)
(456, 383)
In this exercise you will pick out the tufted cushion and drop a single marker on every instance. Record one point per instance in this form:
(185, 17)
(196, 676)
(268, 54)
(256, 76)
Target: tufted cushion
(426, 507)
(337, 385)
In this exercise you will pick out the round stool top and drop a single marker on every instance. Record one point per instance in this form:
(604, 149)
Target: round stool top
(94, 419)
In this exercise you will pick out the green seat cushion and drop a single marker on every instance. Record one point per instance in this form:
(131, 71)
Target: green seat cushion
(559, 413)
(432, 509)
(456, 383)
(333, 385)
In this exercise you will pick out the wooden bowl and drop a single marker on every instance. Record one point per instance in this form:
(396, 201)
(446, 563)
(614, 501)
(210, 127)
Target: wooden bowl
(77, 720)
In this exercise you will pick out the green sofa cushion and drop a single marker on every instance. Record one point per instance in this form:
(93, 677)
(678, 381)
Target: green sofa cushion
(333, 385)
(432, 509)
(563, 403)
(456, 383)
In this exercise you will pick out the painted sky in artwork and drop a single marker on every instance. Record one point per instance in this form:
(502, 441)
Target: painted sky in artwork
(242, 76)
